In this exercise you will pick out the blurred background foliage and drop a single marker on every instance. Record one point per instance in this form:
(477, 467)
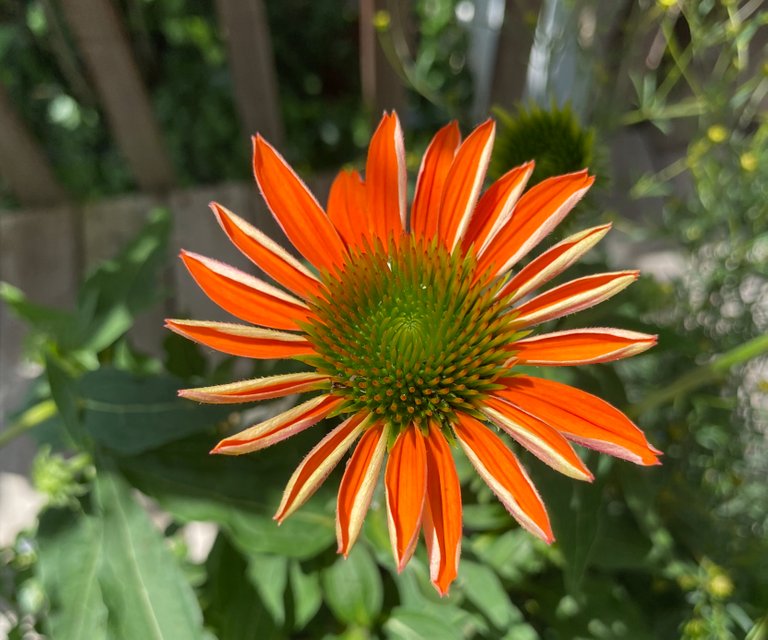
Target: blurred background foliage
(675, 551)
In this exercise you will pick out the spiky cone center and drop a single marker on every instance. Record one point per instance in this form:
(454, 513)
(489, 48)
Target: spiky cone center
(409, 335)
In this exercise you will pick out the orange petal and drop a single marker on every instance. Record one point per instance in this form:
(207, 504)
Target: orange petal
(538, 437)
(581, 346)
(295, 208)
(357, 485)
(500, 469)
(538, 212)
(552, 262)
(429, 185)
(347, 208)
(282, 426)
(385, 180)
(443, 512)
(257, 388)
(242, 340)
(405, 481)
(573, 296)
(267, 254)
(464, 182)
(580, 417)
(495, 207)
(244, 296)
(319, 462)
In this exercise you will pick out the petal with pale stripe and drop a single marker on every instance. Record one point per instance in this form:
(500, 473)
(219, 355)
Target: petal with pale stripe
(442, 511)
(538, 211)
(357, 485)
(552, 262)
(464, 182)
(347, 208)
(405, 481)
(314, 469)
(385, 180)
(280, 427)
(245, 296)
(539, 438)
(506, 477)
(570, 297)
(429, 185)
(242, 340)
(581, 346)
(495, 207)
(580, 416)
(266, 254)
(295, 208)
(257, 388)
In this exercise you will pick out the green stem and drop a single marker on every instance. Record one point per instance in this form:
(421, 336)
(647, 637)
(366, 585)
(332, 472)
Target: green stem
(706, 374)
(32, 417)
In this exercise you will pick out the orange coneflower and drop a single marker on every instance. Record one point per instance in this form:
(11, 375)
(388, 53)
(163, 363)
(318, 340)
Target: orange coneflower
(412, 329)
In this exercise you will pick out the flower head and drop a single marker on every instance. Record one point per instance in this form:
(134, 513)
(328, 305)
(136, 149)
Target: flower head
(411, 328)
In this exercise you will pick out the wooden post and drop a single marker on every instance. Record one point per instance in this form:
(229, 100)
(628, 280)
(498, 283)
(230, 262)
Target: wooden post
(252, 65)
(23, 164)
(107, 54)
(382, 87)
(515, 41)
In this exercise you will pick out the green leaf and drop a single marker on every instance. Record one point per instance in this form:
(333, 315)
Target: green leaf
(511, 555)
(269, 574)
(353, 588)
(130, 414)
(575, 509)
(234, 610)
(64, 393)
(144, 587)
(484, 590)
(48, 321)
(183, 358)
(307, 595)
(69, 562)
(759, 631)
(240, 494)
(417, 624)
(120, 288)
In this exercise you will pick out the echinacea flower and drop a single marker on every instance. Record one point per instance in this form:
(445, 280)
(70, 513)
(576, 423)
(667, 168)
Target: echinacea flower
(412, 327)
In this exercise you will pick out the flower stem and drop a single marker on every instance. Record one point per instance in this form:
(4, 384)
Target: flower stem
(706, 374)
(35, 415)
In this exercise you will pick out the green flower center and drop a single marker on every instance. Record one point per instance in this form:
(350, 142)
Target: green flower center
(408, 334)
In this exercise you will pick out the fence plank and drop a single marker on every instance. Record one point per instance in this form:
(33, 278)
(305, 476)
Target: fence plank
(37, 255)
(106, 51)
(22, 162)
(382, 87)
(253, 68)
(514, 49)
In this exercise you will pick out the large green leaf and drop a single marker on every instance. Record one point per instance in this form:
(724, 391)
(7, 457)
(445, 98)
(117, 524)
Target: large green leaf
(69, 563)
(130, 414)
(145, 589)
(484, 590)
(307, 594)
(238, 493)
(353, 588)
(64, 393)
(269, 574)
(418, 624)
(233, 608)
(575, 509)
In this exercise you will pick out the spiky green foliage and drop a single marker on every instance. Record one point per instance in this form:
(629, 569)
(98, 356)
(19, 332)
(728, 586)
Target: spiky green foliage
(411, 334)
(552, 137)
